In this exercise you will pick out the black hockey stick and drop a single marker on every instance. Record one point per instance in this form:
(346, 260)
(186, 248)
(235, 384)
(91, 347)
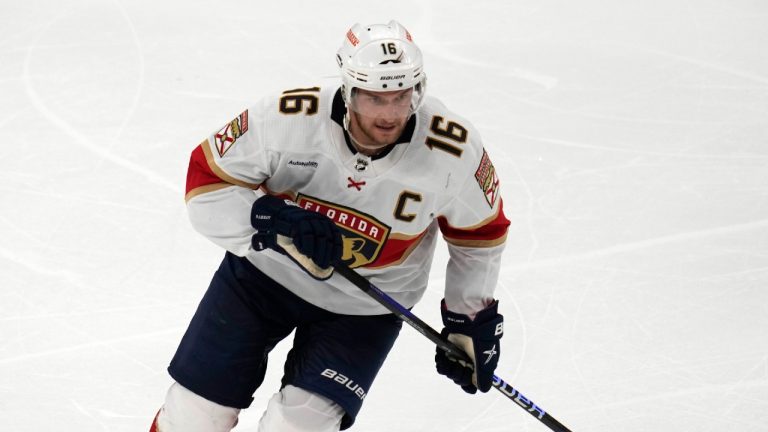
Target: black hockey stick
(404, 314)
(452, 350)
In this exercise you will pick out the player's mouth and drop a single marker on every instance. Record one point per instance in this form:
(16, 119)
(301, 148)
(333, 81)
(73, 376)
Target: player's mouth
(386, 128)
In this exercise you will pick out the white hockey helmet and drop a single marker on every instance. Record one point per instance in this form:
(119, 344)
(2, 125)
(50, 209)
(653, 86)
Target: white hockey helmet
(381, 58)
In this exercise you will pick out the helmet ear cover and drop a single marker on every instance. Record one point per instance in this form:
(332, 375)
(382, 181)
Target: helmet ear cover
(381, 58)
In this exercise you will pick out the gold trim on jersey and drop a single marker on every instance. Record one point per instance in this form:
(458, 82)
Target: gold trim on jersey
(205, 145)
(483, 222)
(476, 243)
(405, 237)
(406, 253)
(205, 189)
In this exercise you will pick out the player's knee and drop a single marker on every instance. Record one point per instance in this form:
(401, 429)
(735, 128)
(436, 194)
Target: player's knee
(185, 411)
(294, 409)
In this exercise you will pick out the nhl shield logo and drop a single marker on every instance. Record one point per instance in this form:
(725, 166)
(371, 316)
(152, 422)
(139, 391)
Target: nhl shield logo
(363, 235)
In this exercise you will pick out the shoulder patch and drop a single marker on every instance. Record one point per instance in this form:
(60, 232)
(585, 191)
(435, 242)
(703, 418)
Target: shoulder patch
(226, 136)
(487, 179)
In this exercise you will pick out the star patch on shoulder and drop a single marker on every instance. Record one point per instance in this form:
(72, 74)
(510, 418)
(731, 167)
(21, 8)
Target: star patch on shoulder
(225, 138)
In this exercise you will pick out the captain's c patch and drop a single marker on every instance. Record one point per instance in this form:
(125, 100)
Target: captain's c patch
(487, 179)
(226, 137)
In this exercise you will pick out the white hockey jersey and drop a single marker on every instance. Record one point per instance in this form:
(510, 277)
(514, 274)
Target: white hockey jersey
(390, 208)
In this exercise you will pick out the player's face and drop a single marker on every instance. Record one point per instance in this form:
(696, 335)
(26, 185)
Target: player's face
(378, 118)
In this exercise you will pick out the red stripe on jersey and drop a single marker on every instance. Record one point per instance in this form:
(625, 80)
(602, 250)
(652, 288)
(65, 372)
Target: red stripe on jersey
(489, 233)
(395, 250)
(154, 427)
(199, 172)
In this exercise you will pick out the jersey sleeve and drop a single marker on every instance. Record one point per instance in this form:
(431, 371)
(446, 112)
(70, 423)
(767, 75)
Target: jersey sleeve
(475, 227)
(225, 171)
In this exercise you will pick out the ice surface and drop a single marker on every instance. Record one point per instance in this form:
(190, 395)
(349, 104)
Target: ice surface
(632, 142)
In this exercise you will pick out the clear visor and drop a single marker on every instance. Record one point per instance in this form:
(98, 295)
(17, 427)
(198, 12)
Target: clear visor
(386, 104)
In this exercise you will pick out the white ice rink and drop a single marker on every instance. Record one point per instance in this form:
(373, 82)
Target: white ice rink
(631, 138)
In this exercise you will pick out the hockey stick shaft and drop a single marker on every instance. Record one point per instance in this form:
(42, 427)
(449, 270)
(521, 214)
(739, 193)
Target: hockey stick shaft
(452, 350)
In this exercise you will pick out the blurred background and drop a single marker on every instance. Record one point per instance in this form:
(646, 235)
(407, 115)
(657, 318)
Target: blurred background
(631, 139)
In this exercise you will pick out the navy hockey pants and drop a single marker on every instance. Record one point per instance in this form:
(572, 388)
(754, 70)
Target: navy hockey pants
(244, 314)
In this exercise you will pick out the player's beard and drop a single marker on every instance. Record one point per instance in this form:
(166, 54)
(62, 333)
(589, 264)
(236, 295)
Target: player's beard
(373, 135)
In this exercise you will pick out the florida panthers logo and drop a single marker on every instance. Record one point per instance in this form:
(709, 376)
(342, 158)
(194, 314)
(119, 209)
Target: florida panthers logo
(363, 235)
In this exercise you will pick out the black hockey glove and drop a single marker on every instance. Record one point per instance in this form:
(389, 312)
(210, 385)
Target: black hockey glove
(480, 339)
(314, 235)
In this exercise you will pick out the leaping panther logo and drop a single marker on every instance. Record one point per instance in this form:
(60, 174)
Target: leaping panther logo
(353, 248)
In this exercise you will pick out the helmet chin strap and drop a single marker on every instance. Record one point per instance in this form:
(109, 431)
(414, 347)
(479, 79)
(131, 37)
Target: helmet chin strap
(346, 120)
(356, 143)
(360, 147)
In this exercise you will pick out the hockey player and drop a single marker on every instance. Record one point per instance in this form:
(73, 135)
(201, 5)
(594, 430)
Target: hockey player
(366, 174)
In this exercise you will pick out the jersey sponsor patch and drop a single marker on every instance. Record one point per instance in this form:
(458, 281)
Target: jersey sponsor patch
(226, 137)
(302, 164)
(487, 179)
(363, 235)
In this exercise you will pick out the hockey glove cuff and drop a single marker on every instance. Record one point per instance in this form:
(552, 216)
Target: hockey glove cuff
(314, 236)
(480, 339)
